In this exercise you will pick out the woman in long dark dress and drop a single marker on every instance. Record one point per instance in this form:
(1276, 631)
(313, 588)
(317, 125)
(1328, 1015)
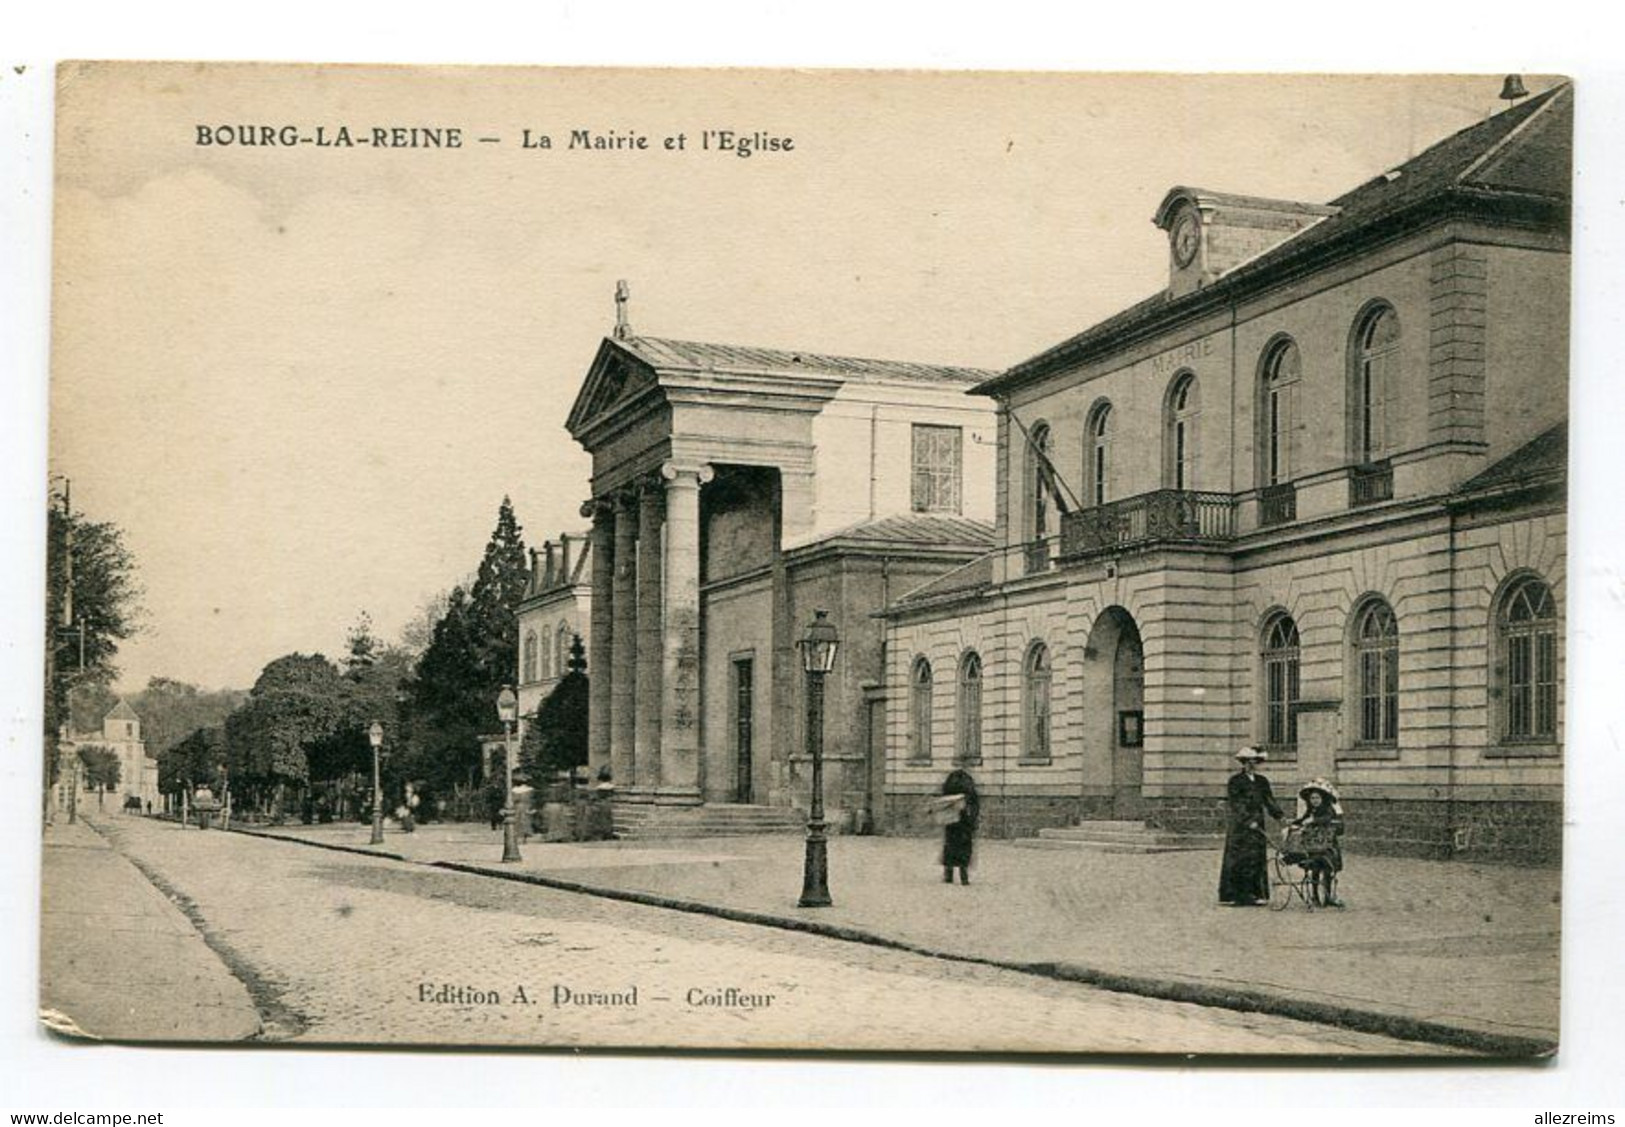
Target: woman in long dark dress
(1243, 875)
(959, 837)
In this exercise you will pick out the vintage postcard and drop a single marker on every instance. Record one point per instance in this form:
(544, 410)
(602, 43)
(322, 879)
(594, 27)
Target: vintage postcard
(796, 560)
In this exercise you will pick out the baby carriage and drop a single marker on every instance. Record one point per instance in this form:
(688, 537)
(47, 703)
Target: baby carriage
(1301, 868)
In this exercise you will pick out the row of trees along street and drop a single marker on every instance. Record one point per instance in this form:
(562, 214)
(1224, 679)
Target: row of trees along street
(296, 744)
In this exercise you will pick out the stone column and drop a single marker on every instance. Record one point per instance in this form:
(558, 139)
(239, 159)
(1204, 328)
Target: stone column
(623, 672)
(600, 632)
(680, 677)
(646, 728)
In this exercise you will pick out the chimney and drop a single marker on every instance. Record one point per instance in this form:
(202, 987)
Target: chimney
(564, 557)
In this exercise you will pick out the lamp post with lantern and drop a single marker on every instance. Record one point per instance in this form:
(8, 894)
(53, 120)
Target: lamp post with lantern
(817, 647)
(375, 736)
(508, 709)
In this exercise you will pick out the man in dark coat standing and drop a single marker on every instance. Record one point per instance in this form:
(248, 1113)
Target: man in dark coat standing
(1243, 877)
(959, 836)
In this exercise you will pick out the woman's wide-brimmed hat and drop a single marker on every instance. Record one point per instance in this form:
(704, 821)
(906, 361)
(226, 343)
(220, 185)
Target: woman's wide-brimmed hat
(1251, 752)
(1322, 786)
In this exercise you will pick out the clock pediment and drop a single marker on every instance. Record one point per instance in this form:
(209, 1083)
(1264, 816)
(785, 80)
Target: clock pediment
(1211, 233)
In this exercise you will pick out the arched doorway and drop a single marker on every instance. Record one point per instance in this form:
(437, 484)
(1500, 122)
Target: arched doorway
(1114, 709)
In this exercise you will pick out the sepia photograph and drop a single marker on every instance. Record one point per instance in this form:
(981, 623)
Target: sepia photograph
(962, 562)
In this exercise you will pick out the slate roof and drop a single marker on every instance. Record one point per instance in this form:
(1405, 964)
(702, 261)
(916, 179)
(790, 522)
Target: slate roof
(922, 530)
(665, 354)
(1544, 457)
(1523, 152)
(969, 579)
(122, 711)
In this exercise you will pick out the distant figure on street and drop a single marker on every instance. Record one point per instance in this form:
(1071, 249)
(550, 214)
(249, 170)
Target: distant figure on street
(495, 798)
(1243, 878)
(1319, 824)
(959, 836)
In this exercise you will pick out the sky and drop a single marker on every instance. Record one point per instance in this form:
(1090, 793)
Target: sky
(302, 378)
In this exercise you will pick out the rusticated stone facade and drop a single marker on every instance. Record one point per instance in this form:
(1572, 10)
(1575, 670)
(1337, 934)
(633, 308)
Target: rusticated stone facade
(1311, 500)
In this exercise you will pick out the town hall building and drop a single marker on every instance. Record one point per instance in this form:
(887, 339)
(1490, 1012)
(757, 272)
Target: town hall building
(1310, 496)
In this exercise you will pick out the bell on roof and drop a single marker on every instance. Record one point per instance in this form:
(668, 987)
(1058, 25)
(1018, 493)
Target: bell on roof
(1513, 89)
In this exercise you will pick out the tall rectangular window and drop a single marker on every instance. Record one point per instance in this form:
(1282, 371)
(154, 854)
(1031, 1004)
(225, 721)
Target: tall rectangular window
(937, 469)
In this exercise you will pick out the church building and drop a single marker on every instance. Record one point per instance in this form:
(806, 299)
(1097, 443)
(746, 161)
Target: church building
(735, 491)
(1309, 496)
(121, 733)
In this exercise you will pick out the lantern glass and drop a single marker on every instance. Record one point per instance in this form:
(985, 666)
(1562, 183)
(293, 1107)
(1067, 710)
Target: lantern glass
(507, 705)
(375, 734)
(819, 644)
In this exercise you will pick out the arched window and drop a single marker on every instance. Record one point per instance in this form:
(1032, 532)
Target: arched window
(1179, 437)
(1376, 662)
(528, 662)
(1098, 454)
(1526, 626)
(1279, 389)
(970, 709)
(1376, 367)
(562, 664)
(1035, 728)
(919, 711)
(1280, 654)
(544, 659)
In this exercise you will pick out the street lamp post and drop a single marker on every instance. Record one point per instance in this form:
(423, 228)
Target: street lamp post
(375, 736)
(817, 659)
(508, 709)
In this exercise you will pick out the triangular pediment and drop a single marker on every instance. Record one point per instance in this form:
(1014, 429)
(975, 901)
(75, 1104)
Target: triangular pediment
(616, 376)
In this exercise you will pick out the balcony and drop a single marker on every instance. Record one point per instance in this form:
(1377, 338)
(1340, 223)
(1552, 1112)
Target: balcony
(1165, 516)
(1036, 556)
(1277, 504)
(1370, 484)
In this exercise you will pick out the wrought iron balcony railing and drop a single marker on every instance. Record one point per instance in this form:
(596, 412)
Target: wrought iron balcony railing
(1277, 504)
(1371, 483)
(1037, 556)
(1164, 516)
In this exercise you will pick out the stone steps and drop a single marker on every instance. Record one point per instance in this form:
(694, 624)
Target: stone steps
(1110, 836)
(637, 822)
(1102, 846)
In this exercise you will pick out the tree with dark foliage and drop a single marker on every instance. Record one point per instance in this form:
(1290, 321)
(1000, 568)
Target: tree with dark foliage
(556, 737)
(92, 602)
(296, 704)
(102, 769)
(473, 652)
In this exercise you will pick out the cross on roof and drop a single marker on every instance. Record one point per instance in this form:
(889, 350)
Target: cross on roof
(623, 326)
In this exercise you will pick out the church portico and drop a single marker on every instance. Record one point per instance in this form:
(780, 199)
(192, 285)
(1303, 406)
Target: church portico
(734, 491)
(643, 708)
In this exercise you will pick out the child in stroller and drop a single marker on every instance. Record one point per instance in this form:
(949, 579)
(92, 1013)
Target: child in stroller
(1312, 840)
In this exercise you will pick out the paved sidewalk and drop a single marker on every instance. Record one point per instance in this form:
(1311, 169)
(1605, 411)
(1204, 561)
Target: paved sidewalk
(118, 960)
(1436, 946)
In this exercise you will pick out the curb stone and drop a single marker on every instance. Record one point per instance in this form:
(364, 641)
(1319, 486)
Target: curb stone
(1360, 1020)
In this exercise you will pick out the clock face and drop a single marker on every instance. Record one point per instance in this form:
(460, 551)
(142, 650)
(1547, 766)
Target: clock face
(1186, 238)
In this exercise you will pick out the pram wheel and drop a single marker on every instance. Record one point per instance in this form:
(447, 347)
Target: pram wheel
(1283, 883)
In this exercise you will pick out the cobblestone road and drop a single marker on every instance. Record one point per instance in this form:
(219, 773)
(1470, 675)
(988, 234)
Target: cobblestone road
(342, 948)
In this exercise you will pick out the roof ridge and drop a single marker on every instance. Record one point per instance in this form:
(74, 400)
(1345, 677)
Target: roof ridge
(1550, 99)
(800, 353)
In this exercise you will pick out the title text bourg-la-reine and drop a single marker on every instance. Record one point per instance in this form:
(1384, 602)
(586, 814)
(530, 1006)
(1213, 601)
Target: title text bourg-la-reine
(733, 142)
